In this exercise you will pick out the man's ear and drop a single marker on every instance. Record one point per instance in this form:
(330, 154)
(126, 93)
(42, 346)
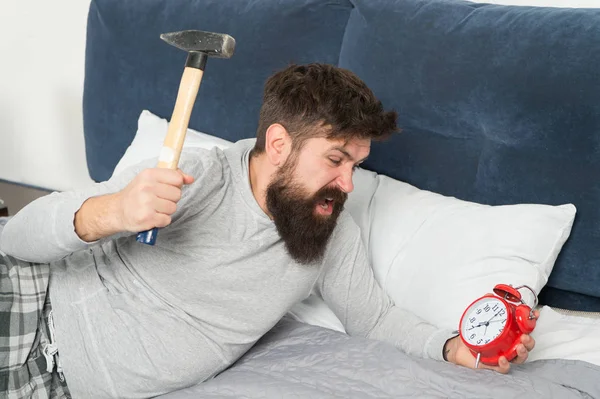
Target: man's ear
(278, 144)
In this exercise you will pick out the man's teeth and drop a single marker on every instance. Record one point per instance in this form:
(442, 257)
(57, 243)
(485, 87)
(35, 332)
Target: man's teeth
(326, 202)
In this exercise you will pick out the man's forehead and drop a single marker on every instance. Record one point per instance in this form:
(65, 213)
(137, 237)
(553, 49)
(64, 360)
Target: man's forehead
(351, 145)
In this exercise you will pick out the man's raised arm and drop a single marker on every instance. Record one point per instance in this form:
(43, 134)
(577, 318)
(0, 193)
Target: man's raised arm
(56, 225)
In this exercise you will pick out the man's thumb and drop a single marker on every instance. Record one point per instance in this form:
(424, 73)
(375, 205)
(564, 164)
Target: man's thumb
(187, 179)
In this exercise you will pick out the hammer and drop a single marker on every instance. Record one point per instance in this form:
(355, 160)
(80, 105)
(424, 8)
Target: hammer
(199, 45)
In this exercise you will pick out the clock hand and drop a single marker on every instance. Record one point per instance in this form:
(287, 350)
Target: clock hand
(487, 323)
(481, 323)
(484, 323)
(493, 317)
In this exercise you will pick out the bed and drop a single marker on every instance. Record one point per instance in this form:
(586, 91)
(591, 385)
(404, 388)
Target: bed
(498, 159)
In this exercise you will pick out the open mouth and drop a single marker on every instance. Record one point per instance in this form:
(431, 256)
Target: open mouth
(325, 207)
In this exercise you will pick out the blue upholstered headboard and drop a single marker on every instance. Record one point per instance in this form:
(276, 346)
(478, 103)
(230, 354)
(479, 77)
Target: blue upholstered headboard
(499, 104)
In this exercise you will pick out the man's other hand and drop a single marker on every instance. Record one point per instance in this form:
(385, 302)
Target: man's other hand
(458, 353)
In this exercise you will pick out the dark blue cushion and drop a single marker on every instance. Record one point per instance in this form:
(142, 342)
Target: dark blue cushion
(499, 105)
(128, 68)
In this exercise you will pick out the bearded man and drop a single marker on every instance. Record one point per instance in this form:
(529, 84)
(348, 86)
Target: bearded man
(247, 232)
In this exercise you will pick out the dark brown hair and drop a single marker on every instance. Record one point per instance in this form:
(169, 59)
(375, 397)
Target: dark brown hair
(320, 100)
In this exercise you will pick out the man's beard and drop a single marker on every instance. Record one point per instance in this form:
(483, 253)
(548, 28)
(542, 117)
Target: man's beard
(304, 232)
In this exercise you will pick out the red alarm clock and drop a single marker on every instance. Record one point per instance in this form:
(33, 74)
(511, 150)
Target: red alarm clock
(492, 325)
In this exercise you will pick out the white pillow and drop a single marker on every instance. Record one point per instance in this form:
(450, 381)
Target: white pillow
(149, 139)
(434, 254)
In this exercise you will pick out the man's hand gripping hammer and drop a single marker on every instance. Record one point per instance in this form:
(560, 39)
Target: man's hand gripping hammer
(199, 45)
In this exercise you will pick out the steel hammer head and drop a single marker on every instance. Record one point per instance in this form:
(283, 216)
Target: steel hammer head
(218, 45)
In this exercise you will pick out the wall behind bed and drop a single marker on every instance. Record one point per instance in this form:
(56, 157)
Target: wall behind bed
(41, 84)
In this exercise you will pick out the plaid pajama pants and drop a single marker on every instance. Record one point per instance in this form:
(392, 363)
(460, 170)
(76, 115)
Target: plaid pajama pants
(26, 332)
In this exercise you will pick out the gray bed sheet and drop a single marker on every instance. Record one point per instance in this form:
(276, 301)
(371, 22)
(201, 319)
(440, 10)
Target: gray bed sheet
(296, 360)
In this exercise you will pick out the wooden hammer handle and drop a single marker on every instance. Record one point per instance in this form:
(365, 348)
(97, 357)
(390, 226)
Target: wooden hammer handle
(188, 89)
(171, 150)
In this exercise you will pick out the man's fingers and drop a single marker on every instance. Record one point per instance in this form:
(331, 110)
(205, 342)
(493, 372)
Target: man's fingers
(176, 178)
(503, 366)
(522, 354)
(168, 192)
(161, 220)
(528, 342)
(165, 206)
(168, 176)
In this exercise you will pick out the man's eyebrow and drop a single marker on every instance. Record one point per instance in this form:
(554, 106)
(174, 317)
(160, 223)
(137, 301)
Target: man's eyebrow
(347, 154)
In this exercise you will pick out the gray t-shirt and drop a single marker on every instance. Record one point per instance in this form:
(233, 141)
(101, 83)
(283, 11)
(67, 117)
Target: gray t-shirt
(134, 320)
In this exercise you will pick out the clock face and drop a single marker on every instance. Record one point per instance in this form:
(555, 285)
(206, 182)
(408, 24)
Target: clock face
(484, 321)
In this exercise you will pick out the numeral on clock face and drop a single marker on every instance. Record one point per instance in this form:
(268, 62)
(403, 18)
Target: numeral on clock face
(484, 321)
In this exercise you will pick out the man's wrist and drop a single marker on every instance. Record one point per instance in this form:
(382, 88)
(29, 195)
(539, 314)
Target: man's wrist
(449, 350)
(96, 218)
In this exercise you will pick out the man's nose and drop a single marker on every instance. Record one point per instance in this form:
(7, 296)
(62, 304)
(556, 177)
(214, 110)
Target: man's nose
(344, 181)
